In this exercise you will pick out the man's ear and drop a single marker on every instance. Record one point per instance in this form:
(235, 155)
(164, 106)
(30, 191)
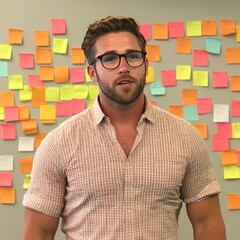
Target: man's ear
(92, 73)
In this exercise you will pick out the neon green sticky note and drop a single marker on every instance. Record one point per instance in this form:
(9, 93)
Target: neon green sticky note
(60, 45)
(52, 94)
(194, 28)
(231, 172)
(200, 78)
(5, 51)
(15, 82)
(25, 94)
(66, 92)
(93, 92)
(80, 91)
(183, 72)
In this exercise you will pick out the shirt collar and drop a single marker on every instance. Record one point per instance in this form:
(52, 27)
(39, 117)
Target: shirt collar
(98, 114)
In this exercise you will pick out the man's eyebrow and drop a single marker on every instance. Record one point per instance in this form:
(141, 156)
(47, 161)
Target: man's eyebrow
(126, 51)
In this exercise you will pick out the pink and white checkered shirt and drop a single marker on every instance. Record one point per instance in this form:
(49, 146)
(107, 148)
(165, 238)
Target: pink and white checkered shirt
(81, 173)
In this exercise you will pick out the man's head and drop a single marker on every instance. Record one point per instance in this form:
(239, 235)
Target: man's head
(109, 25)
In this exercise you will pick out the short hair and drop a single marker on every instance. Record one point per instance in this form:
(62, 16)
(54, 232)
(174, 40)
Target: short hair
(109, 25)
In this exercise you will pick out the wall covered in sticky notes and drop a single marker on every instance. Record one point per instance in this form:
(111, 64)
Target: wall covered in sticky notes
(194, 72)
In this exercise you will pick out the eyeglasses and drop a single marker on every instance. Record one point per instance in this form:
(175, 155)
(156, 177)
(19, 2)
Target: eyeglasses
(113, 60)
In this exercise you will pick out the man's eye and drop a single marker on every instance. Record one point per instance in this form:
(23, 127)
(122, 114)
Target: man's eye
(133, 56)
(110, 58)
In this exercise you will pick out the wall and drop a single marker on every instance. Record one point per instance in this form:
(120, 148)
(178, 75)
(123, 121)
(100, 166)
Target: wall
(36, 15)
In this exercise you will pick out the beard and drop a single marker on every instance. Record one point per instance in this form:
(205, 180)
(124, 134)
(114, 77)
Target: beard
(127, 95)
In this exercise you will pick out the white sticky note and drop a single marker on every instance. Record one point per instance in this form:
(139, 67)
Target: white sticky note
(26, 144)
(6, 163)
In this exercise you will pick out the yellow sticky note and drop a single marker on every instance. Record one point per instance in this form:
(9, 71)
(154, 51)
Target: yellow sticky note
(238, 33)
(5, 51)
(25, 94)
(52, 94)
(151, 75)
(194, 28)
(26, 181)
(48, 114)
(183, 72)
(231, 172)
(80, 91)
(15, 82)
(60, 45)
(66, 92)
(87, 77)
(1, 112)
(235, 130)
(200, 78)
(93, 92)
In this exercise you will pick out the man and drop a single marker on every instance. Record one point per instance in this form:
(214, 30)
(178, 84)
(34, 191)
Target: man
(122, 168)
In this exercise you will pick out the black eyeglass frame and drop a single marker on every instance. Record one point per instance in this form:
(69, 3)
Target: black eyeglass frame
(100, 57)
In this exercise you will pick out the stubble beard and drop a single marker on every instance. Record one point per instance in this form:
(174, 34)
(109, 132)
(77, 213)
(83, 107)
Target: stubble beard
(128, 95)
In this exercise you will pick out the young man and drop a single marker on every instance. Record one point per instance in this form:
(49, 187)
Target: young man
(122, 168)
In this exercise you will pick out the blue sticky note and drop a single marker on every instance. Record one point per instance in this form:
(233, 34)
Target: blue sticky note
(190, 113)
(3, 69)
(213, 45)
(156, 88)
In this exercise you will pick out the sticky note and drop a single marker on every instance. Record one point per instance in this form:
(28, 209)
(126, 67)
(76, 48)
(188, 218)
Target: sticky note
(236, 130)
(60, 45)
(26, 60)
(221, 113)
(151, 75)
(235, 83)
(5, 51)
(15, 82)
(202, 128)
(213, 45)
(176, 110)
(227, 26)
(63, 109)
(235, 108)
(7, 99)
(189, 96)
(194, 28)
(24, 112)
(46, 73)
(15, 36)
(52, 94)
(38, 96)
(224, 129)
(25, 164)
(146, 30)
(220, 79)
(160, 31)
(26, 181)
(34, 80)
(209, 27)
(48, 114)
(6, 162)
(26, 144)
(41, 38)
(5, 179)
(61, 74)
(3, 68)
(38, 139)
(29, 126)
(11, 114)
(77, 75)
(58, 26)
(200, 78)
(190, 113)
(25, 94)
(231, 172)
(233, 201)
(8, 131)
(183, 72)
(232, 55)
(153, 53)
(77, 56)
(168, 78)
(43, 56)
(184, 45)
(80, 92)
(176, 29)
(156, 88)
(66, 92)
(219, 143)
(229, 157)
(7, 195)
(93, 92)
(204, 105)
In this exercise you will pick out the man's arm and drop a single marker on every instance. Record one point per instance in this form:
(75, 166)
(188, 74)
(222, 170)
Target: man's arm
(206, 219)
(39, 226)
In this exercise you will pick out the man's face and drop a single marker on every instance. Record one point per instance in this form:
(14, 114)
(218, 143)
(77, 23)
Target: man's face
(124, 84)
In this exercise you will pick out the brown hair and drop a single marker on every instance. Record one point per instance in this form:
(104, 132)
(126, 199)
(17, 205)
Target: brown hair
(108, 25)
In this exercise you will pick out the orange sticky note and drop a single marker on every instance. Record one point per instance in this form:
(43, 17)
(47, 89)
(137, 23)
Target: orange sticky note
(176, 110)
(160, 31)
(233, 55)
(235, 83)
(227, 26)
(233, 201)
(24, 112)
(15, 36)
(209, 27)
(43, 56)
(41, 38)
(25, 164)
(7, 195)
(38, 96)
(61, 74)
(184, 45)
(153, 52)
(46, 73)
(38, 139)
(29, 126)
(202, 128)
(7, 99)
(229, 157)
(189, 96)
(77, 56)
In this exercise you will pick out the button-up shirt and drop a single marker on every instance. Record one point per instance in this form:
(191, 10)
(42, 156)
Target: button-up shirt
(81, 173)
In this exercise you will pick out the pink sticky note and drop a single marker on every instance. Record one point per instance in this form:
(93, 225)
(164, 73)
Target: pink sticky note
(220, 79)
(58, 26)
(204, 105)
(168, 78)
(34, 80)
(176, 29)
(78, 105)
(235, 108)
(146, 30)
(26, 60)
(11, 114)
(8, 131)
(5, 179)
(224, 130)
(219, 143)
(63, 109)
(200, 58)
(77, 75)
